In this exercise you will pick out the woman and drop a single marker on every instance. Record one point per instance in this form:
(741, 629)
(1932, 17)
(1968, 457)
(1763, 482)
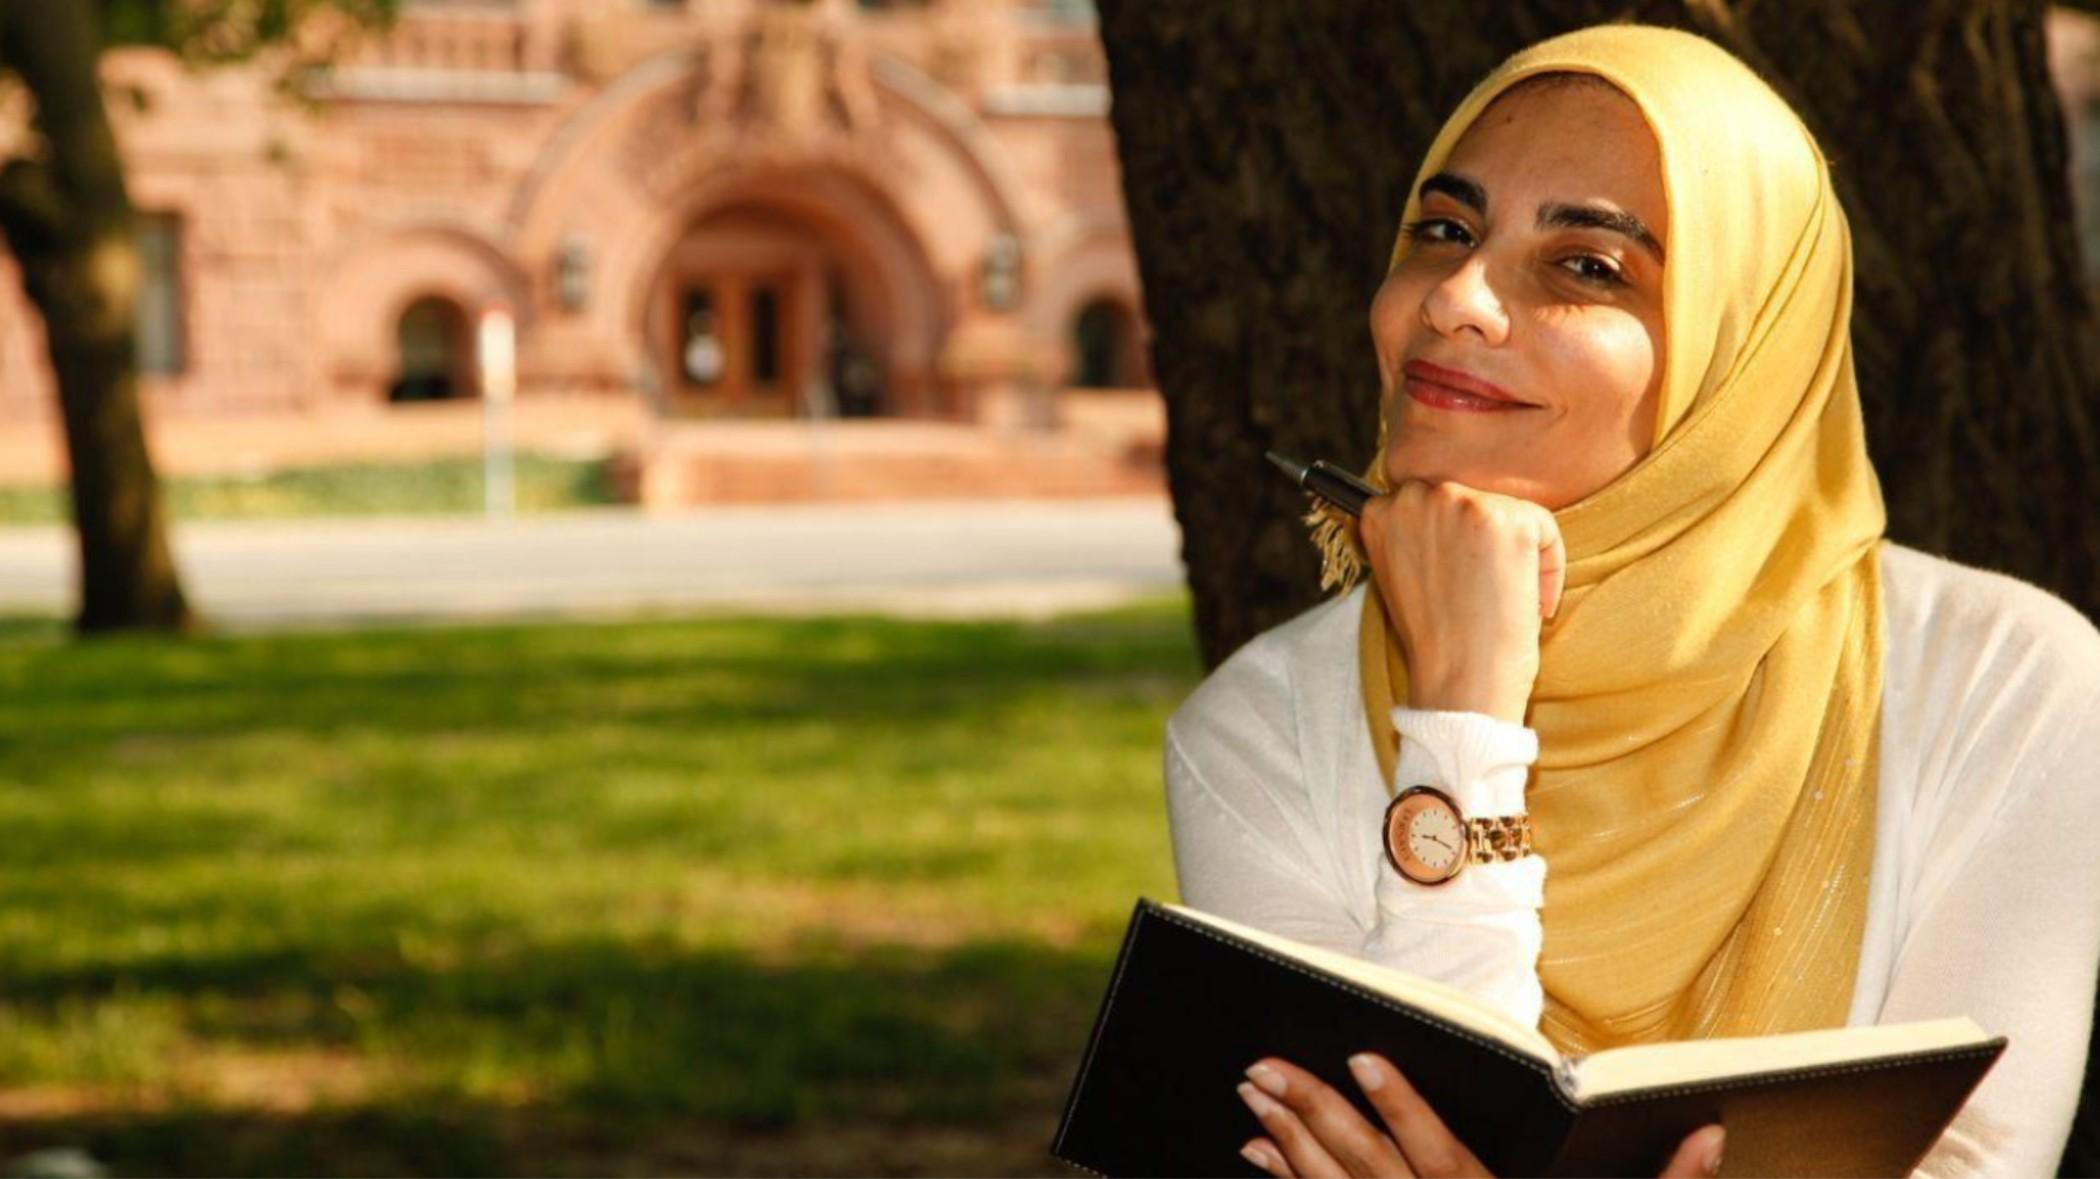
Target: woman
(1630, 579)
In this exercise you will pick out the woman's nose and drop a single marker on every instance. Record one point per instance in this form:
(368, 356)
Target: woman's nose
(1463, 299)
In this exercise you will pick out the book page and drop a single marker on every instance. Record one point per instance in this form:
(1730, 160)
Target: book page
(1447, 1003)
(1647, 1066)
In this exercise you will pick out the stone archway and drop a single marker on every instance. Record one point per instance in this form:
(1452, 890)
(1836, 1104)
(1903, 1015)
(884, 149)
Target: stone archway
(1104, 345)
(805, 293)
(728, 125)
(1089, 270)
(434, 358)
(377, 281)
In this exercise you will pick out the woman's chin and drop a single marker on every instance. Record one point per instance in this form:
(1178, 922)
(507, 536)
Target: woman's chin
(1480, 479)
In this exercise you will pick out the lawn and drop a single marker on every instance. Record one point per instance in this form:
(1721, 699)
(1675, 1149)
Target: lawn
(724, 895)
(431, 487)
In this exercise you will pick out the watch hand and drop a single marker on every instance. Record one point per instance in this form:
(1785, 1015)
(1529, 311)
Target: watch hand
(1440, 843)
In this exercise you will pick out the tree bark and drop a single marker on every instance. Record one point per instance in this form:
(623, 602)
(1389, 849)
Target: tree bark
(1266, 149)
(68, 221)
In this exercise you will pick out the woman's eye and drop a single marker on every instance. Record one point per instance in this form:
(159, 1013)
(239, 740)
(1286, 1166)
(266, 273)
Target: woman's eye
(1433, 229)
(1591, 268)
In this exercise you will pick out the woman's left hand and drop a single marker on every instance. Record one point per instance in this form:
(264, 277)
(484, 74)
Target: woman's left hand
(1314, 1130)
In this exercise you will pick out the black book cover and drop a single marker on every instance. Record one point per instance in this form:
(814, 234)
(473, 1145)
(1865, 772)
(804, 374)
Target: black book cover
(1190, 1006)
(1158, 1096)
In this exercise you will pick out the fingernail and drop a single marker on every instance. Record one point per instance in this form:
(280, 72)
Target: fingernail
(1253, 1154)
(1366, 1072)
(1257, 1100)
(1269, 1079)
(1713, 1164)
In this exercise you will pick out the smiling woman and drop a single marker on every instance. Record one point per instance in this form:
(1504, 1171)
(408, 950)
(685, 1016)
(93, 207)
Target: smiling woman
(1631, 598)
(1539, 224)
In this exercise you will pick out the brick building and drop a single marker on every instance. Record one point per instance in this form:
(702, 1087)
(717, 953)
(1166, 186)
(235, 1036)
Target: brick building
(697, 211)
(710, 217)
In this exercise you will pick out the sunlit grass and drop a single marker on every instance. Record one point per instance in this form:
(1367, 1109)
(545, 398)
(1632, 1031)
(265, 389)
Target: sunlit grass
(656, 896)
(434, 486)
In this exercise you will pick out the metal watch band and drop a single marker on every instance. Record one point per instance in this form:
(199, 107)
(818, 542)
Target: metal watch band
(1501, 837)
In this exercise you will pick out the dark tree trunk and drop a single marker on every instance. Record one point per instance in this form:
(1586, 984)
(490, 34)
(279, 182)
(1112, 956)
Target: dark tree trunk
(1266, 150)
(68, 221)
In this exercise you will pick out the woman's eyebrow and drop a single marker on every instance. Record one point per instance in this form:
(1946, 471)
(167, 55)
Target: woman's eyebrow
(1554, 215)
(1462, 189)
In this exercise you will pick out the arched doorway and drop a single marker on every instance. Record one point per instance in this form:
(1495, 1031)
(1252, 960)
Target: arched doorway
(1105, 347)
(433, 352)
(762, 308)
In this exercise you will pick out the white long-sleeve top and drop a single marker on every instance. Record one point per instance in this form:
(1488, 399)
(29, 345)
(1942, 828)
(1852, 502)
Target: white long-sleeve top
(1985, 894)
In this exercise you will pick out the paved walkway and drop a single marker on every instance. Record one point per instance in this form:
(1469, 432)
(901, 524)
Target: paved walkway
(1027, 558)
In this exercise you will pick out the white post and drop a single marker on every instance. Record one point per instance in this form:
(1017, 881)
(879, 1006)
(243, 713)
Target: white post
(497, 343)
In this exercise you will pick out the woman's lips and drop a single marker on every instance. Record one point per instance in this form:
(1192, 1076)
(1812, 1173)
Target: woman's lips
(1441, 388)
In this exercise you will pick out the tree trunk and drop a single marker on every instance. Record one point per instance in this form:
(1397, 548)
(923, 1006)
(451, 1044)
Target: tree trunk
(1266, 149)
(68, 221)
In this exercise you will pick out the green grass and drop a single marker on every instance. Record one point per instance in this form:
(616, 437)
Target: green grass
(438, 486)
(760, 896)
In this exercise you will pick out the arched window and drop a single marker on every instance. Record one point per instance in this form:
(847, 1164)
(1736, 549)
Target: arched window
(433, 343)
(1104, 340)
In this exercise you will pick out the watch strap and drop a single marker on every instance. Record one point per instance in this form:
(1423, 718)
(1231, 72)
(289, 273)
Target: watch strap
(1498, 838)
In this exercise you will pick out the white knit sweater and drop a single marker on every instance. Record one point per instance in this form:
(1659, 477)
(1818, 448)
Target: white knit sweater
(1985, 896)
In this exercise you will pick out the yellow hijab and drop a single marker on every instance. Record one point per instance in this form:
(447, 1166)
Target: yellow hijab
(1708, 700)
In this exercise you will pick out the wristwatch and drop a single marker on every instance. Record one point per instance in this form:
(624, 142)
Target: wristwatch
(1429, 841)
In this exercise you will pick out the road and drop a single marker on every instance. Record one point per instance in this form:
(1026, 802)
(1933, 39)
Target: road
(1028, 558)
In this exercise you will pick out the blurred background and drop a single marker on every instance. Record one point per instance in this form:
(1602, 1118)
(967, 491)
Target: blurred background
(707, 221)
(668, 510)
(632, 584)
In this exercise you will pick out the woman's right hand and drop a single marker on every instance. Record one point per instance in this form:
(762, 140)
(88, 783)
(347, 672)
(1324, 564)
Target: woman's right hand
(1312, 1130)
(1466, 576)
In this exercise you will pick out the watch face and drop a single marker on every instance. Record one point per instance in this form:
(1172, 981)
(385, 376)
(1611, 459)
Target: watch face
(1425, 837)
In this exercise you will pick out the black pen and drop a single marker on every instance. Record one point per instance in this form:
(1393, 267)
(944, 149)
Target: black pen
(1327, 481)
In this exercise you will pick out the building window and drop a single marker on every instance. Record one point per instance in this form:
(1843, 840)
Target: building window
(855, 373)
(159, 330)
(765, 336)
(1104, 341)
(432, 337)
(701, 355)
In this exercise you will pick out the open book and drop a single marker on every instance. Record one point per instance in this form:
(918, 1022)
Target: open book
(1195, 999)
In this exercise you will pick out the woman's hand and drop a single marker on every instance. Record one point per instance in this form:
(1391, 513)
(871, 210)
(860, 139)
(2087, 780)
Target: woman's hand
(1314, 1130)
(1466, 575)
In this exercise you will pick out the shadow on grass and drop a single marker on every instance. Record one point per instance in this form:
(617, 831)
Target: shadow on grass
(480, 1139)
(635, 1060)
(40, 629)
(406, 682)
(445, 736)
(452, 864)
